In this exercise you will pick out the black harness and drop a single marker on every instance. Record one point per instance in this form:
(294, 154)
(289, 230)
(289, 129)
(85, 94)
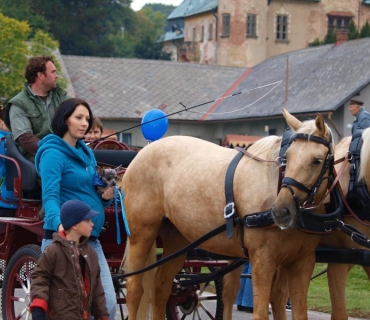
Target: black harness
(308, 220)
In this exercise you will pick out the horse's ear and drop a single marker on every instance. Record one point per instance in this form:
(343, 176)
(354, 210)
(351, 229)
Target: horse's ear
(320, 124)
(292, 121)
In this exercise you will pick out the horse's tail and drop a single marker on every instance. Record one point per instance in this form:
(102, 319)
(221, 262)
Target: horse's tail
(365, 153)
(145, 309)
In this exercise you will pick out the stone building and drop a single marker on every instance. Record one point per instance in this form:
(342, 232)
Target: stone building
(246, 32)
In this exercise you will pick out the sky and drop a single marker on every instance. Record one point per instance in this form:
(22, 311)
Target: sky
(138, 4)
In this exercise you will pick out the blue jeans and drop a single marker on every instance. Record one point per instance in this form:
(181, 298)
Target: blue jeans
(245, 294)
(105, 276)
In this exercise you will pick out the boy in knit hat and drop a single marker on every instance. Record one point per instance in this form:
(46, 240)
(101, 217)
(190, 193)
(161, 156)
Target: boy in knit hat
(66, 281)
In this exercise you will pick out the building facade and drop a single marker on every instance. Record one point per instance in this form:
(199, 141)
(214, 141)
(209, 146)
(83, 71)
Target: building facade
(244, 33)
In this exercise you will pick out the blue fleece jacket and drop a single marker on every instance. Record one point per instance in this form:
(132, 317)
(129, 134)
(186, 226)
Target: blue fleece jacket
(67, 173)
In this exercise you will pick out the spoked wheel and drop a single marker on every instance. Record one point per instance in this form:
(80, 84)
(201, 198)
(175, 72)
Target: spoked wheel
(121, 292)
(199, 301)
(15, 299)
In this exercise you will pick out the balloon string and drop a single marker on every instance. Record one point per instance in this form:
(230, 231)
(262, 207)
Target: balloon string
(275, 84)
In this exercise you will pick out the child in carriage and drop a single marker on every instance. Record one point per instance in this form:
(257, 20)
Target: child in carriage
(66, 281)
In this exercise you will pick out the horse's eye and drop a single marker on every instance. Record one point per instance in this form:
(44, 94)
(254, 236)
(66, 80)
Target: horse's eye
(317, 161)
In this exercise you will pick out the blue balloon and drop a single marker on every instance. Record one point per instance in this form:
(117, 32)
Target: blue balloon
(154, 124)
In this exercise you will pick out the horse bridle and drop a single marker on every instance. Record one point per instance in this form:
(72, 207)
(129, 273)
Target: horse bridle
(289, 183)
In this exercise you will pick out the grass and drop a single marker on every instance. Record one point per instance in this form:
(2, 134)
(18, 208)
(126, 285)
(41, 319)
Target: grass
(357, 293)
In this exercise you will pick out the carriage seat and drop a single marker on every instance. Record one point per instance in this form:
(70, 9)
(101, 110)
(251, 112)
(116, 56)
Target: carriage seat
(114, 157)
(27, 168)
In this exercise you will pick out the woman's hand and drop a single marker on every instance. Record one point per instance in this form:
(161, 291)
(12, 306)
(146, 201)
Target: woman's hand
(108, 193)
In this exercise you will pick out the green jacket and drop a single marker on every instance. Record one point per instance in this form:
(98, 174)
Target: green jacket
(35, 111)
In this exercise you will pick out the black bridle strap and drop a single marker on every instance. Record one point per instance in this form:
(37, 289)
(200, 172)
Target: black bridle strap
(304, 136)
(176, 254)
(291, 182)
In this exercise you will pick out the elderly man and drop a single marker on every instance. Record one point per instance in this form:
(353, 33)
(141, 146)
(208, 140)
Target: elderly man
(357, 196)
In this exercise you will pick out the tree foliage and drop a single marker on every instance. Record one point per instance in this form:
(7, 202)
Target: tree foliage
(13, 55)
(106, 28)
(16, 47)
(365, 30)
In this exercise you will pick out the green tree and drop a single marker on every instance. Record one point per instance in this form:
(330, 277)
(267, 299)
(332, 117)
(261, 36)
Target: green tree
(16, 48)
(315, 43)
(365, 30)
(159, 7)
(353, 32)
(13, 55)
(330, 37)
(23, 10)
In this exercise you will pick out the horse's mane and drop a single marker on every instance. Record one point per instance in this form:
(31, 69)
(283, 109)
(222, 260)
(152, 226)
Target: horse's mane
(365, 150)
(267, 148)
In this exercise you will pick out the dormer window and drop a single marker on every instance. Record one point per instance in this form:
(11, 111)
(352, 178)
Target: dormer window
(339, 21)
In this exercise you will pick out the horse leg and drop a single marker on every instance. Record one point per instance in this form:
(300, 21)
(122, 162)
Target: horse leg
(231, 285)
(263, 273)
(172, 241)
(279, 293)
(337, 280)
(299, 277)
(141, 252)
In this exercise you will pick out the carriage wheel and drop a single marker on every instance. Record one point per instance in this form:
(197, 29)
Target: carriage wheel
(121, 292)
(15, 292)
(200, 299)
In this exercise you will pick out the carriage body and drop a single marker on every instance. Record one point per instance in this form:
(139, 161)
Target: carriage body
(21, 233)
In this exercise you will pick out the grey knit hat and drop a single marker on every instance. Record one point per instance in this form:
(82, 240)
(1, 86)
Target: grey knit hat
(75, 211)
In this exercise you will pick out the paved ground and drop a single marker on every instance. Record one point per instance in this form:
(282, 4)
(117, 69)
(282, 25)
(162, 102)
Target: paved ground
(211, 306)
(238, 315)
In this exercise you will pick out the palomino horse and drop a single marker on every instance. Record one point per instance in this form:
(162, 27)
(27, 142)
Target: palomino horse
(174, 188)
(337, 273)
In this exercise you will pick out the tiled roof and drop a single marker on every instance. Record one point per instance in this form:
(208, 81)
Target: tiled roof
(320, 79)
(191, 7)
(200, 6)
(170, 35)
(118, 88)
(180, 10)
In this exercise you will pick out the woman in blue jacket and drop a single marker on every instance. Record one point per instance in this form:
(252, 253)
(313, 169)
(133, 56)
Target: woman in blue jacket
(67, 167)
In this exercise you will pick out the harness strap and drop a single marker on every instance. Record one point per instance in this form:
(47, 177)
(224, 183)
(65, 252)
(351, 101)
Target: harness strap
(176, 254)
(229, 210)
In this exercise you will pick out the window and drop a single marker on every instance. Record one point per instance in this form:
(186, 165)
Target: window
(194, 35)
(125, 138)
(202, 34)
(338, 22)
(281, 27)
(210, 31)
(226, 25)
(272, 132)
(251, 25)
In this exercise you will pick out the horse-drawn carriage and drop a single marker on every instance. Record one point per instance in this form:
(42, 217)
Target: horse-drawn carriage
(21, 233)
(177, 180)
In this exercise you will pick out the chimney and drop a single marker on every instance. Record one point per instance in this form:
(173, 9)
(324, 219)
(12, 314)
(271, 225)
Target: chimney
(341, 36)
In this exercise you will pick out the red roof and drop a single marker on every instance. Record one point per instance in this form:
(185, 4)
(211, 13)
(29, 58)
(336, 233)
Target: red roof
(239, 140)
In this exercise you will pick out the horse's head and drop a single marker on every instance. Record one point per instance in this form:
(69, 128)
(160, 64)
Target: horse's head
(308, 158)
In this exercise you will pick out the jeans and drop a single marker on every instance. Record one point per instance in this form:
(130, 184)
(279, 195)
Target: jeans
(105, 276)
(245, 294)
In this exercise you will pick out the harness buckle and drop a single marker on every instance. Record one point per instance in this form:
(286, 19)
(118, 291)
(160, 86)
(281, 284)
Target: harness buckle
(250, 221)
(229, 210)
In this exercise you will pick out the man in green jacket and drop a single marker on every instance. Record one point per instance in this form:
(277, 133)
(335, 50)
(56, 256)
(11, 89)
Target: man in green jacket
(28, 115)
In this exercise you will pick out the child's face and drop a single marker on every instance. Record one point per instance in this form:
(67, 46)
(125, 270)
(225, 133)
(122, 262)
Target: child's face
(84, 228)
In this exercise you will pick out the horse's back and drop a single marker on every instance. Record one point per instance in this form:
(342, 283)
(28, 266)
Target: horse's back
(176, 155)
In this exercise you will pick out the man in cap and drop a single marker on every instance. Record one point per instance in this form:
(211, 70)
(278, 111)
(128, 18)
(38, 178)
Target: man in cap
(361, 122)
(357, 197)
(66, 281)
